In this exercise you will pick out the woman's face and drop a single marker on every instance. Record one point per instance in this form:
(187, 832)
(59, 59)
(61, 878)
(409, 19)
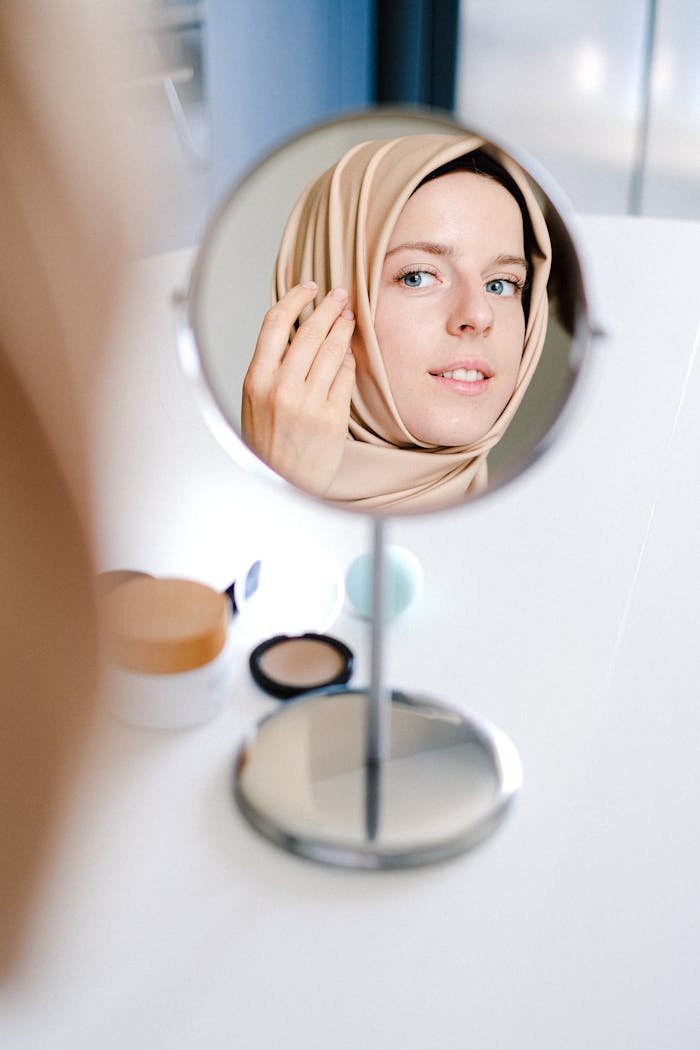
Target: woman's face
(449, 317)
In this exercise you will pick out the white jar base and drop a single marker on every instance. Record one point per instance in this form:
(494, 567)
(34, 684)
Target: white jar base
(171, 701)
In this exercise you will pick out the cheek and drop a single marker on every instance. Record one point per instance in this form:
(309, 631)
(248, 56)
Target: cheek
(387, 330)
(395, 352)
(401, 336)
(514, 341)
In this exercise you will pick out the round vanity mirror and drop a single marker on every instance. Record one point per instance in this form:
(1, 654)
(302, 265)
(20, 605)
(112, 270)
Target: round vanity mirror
(416, 429)
(389, 314)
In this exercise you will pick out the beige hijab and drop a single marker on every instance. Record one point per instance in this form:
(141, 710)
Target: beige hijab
(338, 235)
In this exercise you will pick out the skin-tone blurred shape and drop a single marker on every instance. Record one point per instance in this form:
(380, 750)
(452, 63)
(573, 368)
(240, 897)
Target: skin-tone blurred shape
(62, 233)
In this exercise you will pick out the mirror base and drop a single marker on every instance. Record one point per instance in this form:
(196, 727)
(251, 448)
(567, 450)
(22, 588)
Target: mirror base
(302, 781)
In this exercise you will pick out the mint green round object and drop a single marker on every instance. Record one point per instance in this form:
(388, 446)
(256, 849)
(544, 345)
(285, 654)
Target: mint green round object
(403, 577)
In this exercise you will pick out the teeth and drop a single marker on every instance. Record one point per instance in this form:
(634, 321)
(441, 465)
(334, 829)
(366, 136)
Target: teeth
(466, 375)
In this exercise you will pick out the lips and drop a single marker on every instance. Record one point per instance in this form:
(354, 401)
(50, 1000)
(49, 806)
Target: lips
(474, 370)
(467, 378)
(465, 375)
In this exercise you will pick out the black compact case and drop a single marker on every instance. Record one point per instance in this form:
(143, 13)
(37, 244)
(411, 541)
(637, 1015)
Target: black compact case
(286, 666)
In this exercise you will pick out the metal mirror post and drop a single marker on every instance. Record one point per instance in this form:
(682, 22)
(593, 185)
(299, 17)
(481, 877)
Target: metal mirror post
(375, 778)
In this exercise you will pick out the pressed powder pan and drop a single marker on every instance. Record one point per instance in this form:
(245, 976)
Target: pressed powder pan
(287, 665)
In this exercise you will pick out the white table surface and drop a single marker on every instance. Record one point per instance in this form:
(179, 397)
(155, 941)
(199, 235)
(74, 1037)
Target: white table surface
(564, 608)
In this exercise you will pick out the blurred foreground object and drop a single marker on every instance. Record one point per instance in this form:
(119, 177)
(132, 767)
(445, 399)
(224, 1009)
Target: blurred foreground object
(63, 231)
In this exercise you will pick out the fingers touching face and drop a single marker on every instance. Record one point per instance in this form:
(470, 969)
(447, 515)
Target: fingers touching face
(296, 394)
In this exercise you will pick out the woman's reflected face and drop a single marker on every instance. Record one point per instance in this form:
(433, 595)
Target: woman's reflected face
(449, 318)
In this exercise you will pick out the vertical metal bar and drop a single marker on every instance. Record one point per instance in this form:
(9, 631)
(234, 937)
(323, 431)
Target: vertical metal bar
(378, 722)
(636, 187)
(379, 712)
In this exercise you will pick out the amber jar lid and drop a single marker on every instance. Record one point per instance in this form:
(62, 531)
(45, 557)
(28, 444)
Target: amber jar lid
(107, 581)
(163, 626)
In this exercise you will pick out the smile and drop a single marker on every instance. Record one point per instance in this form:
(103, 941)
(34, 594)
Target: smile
(471, 370)
(466, 375)
(471, 377)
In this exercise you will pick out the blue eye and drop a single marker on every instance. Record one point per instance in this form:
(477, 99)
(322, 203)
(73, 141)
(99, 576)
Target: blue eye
(501, 286)
(417, 279)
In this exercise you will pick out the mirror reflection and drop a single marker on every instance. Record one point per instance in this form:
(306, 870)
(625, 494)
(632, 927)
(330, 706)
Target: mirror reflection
(425, 306)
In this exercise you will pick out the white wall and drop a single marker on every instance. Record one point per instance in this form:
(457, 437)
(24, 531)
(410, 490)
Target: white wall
(565, 80)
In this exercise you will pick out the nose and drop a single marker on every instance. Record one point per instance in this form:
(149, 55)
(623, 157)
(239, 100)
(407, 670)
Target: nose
(470, 309)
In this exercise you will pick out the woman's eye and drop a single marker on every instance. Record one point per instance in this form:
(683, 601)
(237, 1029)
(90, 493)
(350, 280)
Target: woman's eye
(417, 279)
(501, 286)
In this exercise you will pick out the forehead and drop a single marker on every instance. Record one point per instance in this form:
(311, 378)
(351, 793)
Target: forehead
(460, 208)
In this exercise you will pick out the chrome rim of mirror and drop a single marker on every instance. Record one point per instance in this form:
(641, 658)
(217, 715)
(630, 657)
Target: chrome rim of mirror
(303, 781)
(252, 217)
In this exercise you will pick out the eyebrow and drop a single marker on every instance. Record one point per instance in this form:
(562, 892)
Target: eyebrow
(434, 248)
(512, 260)
(422, 246)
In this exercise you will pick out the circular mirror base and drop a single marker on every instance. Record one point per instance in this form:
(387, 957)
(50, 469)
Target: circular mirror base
(303, 781)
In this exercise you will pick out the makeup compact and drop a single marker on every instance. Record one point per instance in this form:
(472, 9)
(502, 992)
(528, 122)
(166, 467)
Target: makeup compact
(169, 651)
(287, 665)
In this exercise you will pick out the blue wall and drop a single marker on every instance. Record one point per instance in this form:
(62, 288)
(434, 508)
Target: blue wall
(275, 66)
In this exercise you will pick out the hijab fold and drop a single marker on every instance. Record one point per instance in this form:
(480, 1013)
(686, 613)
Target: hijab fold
(338, 234)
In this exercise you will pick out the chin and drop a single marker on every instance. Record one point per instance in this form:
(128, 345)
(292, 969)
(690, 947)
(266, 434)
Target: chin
(454, 436)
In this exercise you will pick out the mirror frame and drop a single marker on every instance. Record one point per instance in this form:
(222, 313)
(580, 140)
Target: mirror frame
(583, 336)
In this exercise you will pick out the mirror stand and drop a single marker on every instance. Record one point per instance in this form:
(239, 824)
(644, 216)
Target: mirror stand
(371, 778)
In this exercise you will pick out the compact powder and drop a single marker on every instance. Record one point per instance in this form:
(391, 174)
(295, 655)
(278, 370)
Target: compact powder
(286, 666)
(302, 661)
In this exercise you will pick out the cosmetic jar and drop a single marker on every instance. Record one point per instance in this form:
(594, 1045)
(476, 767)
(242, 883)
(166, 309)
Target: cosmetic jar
(288, 665)
(107, 581)
(168, 651)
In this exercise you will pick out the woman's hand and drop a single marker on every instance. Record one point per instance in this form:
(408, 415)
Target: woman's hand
(296, 396)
